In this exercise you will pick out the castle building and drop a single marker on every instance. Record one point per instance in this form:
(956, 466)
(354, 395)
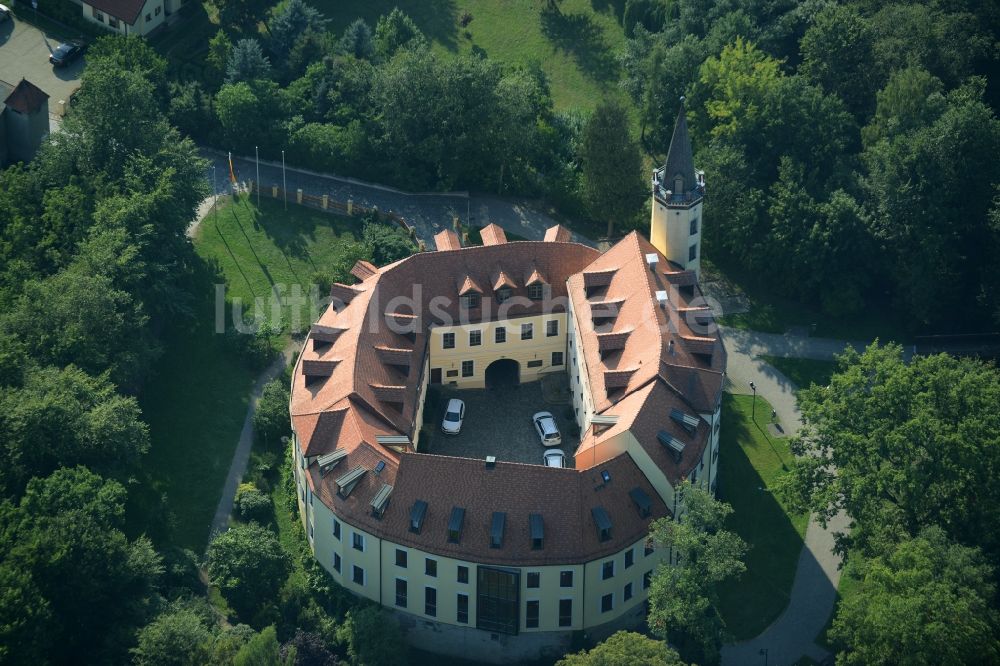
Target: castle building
(500, 557)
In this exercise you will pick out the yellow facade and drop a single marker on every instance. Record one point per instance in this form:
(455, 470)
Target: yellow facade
(153, 15)
(534, 356)
(670, 232)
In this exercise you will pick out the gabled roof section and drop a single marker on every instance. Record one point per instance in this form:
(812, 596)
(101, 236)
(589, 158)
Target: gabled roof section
(364, 269)
(502, 279)
(534, 277)
(126, 10)
(26, 97)
(680, 159)
(467, 285)
(493, 234)
(557, 234)
(342, 292)
(447, 240)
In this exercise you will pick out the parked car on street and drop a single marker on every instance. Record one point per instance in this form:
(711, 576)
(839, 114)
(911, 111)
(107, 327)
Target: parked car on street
(548, 431)
(67, 52)
(453, 417)
(554, 458)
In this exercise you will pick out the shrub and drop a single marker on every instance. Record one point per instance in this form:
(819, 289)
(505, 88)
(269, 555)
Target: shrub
(252, 504)
(248, 566)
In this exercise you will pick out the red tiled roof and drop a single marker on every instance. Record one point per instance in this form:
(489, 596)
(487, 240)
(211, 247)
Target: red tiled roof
(26, 97)
(557, 234)
(126, 10)
(639, 377)
(493, 234)
(447, 240)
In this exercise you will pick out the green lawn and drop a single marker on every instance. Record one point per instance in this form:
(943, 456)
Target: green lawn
(196, 399)
(577, 50)
(194, 404)
(269, 251)
(803, 371)
(750, 461)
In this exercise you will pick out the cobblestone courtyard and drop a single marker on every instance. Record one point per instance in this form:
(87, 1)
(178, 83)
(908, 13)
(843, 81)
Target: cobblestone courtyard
(498, 423)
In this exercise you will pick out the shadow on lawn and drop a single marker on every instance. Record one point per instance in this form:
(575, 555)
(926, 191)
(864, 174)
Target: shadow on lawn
(750, 604)
(581, 37)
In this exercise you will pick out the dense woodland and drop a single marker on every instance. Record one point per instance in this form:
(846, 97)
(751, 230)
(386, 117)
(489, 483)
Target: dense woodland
(850, 153)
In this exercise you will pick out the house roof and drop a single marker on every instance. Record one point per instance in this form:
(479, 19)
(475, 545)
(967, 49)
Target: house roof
(679, 156)
(369, 396)
(126, 10)
(26, 97)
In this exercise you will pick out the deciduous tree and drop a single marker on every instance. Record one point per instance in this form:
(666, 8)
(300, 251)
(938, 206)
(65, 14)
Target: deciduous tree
(249, 567)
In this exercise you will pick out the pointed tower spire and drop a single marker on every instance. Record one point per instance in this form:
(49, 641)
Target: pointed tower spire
(680, 160)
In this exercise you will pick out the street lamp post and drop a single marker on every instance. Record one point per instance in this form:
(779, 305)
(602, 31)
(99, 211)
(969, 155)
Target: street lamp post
(215, 197)
(753, 406)
(284, 183)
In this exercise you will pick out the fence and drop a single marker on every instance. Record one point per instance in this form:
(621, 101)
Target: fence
(326, 204)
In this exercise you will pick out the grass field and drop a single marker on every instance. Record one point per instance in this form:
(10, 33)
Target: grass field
(268, 253)
(750, 461)
(576, 49)
(197, 399)
(803, 371)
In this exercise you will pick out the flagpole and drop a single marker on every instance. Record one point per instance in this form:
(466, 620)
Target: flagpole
(284, 184)
(257, 156)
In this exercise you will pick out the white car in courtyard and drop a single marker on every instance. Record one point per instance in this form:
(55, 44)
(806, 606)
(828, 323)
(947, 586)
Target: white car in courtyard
(453, 416)
(554, 458)
(548, 431)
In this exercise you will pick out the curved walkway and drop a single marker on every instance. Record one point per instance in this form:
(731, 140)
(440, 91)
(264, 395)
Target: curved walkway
(814, 590)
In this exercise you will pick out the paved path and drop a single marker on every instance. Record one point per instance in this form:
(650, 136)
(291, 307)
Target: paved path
(814, 589)
(429, 212)
(24, 53)
(242, 454)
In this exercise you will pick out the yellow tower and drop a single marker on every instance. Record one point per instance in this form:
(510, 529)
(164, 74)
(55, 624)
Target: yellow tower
(678, 193)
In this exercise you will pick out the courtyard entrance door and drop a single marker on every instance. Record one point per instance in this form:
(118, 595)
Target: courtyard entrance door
(503, 373)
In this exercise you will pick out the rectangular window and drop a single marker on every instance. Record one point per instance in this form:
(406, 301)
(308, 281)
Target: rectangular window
(498, 600)
(607, 603)
(628, 591)
(526, 331)
(692, 253)
(557, 358)
(359, 575)
(629, 558)
(565, 612)
(608, 570)
(448, 341)
(475, 338)
(470, 301)
(158, 10)
(552, 328)
(534, 579)
(648, 548)
(500, 335)
(468, 368)
(430, 601)
(694, 226)
(401, 593)
(336, 528)
(531, 615)
(462, 615)
(336, 562)
(96, 14)
(646, 579)
(431, 567)
(112, 21)
(400, 558)
(463, 574)
(535, 292)
(535, 364)
(565, 579)
(359, 542)
(149, 17)
(503, 294)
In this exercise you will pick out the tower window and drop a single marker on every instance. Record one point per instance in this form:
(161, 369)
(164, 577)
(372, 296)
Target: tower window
(692, 253)
(694, 226)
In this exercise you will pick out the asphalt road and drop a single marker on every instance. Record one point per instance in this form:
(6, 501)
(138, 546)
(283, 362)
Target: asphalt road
(24, 53)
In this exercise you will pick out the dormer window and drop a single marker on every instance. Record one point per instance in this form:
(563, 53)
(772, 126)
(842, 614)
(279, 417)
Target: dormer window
(471, 301)
(503, 294)
(535, 292)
